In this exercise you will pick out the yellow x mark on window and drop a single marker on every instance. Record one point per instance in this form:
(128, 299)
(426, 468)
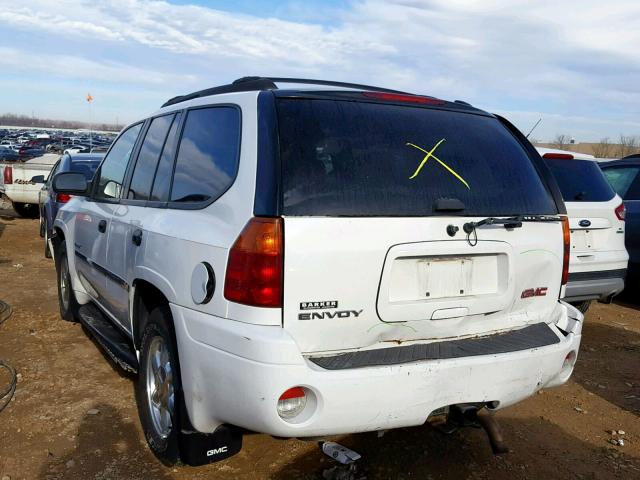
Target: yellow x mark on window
(429, 155)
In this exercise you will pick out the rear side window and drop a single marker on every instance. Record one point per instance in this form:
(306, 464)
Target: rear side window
(162, 180)
(367, 159)
(145, 168)
(207, 159)
(621, 179)
(580, 180)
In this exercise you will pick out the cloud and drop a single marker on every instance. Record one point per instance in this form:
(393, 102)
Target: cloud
(576, 58)
(70, 66)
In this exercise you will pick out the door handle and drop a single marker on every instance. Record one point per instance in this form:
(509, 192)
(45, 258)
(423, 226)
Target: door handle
(136, 238)
(102, 226)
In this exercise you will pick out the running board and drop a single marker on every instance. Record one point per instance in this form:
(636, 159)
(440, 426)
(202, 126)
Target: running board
(110, 338)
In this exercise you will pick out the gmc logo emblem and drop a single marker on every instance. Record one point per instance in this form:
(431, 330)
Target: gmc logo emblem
(534, 292)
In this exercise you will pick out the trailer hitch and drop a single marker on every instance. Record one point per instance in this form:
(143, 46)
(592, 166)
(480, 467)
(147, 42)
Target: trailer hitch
(474, 415)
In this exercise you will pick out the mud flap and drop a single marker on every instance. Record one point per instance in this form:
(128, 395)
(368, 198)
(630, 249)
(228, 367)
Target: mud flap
(198, 448)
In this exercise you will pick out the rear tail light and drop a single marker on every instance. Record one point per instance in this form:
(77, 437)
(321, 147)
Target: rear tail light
(8, 175)
(621, 212)
(292, 402)
(566, 237)
(255, 267)
(558, 156)
(569, 361)
(63, 197)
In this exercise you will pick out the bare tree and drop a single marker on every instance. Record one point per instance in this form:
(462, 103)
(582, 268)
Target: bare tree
(603, 149)
(628, 144)
(560, 141)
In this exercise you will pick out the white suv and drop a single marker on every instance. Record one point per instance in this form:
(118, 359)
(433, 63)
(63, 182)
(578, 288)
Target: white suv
(317, 260)
(598, 264)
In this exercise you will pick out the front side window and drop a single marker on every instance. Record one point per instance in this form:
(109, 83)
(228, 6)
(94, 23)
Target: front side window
(54, 170)
(207, 159)
(621, 178)
(115, 164)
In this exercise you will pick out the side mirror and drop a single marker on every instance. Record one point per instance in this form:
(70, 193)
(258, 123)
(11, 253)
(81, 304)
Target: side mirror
(70, 183)
(37, 179)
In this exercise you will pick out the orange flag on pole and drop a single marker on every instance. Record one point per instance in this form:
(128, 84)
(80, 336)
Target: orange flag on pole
(89, 98)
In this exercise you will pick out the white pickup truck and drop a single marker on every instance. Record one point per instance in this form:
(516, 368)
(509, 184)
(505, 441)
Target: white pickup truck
(18, 185)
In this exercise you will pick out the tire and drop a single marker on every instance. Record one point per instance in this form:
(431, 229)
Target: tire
(42, 226)
(582, 306)
(66, 298)
(159, 394)
(22, 209)
(47, 250)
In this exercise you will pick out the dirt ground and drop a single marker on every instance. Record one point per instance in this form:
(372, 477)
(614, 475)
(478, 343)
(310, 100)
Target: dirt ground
(51, 429)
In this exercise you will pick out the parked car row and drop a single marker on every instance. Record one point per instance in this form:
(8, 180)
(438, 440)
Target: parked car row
(316, 261)
(30, 143)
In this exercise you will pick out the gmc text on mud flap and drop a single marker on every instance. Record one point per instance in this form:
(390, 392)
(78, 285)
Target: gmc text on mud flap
(217, 451)
(323, 315)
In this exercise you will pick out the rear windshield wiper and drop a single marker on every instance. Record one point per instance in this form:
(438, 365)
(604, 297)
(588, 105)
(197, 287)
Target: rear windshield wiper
(509, 222)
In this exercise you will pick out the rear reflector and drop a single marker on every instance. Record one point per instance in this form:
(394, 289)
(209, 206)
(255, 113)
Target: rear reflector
(621, 212)
(566, 237)
(63, 197)
(558, 156)
(396, 97)
(8, 175)
(292, 402)
(254, 270)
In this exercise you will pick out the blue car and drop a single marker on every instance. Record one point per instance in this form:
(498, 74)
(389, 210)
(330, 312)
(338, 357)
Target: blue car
(8, 155)
(50, 202)
(623, 175)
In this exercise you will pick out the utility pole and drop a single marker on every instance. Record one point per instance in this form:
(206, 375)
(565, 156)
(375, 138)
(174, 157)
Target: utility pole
(90, 101)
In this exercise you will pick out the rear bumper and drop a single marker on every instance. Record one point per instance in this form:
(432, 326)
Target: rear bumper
(595, 285)
(234, 373)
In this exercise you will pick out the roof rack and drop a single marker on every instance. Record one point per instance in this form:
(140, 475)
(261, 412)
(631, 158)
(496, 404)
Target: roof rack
(248, 84)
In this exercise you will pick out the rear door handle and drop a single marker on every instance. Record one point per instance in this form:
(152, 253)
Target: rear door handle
(136, 238)
(102, 226)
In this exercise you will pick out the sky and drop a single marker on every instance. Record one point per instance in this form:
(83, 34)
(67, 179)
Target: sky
(573, 63)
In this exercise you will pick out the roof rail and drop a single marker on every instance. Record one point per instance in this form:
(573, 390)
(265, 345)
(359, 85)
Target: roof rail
(248, 84)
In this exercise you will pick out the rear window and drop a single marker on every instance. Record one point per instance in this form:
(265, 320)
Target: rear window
(580, 180)
(367, 159)
(86, 168)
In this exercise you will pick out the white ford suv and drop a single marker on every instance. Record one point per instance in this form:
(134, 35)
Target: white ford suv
(317, 260)
(598, 263)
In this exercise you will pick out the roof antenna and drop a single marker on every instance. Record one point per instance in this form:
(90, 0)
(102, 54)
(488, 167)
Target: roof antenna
(533, 128)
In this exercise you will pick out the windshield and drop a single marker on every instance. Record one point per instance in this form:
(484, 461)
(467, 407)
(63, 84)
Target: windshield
(580, 180)
(350, 158)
